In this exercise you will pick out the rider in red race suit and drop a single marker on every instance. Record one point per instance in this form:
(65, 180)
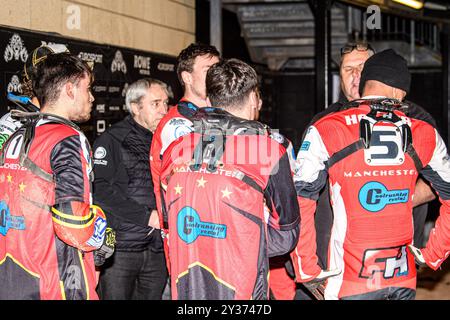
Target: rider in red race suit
(217, 182)
(192, 64)
(48, 227)
(372, 152)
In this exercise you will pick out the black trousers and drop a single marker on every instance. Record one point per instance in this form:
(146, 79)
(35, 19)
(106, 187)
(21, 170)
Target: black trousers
(133, 276)
(391, 293)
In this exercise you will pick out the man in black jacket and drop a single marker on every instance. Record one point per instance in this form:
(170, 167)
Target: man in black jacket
(123, 186)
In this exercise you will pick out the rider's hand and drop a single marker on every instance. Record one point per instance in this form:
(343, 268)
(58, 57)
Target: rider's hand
(154, 220)
(418, 256)
(107, 248)
(316, 286)
(325, 274)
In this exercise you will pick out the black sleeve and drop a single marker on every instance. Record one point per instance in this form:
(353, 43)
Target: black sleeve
(282, 242)
(332, 108)
(284, 222)
(281, 191)
(110, 184)
(70, 164)
(417, 112)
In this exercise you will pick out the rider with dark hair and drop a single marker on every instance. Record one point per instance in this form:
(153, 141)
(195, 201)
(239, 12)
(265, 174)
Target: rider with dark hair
(229, 201)
(193, 63)
(51, 228)
(27, 102)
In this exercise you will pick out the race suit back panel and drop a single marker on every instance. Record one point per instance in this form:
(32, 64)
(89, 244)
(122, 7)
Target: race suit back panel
(371, 192)
(34, 263)
(217, 226)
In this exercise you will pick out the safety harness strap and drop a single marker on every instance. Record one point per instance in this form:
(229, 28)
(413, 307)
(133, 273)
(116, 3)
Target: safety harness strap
(386, 109)
(35, 169)
(30, 120)
(413, 154)
(345, 152)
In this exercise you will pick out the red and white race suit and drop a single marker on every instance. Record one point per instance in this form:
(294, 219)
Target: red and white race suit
(371, 194)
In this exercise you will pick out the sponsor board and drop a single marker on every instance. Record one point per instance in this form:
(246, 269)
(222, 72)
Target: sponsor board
(115, 68)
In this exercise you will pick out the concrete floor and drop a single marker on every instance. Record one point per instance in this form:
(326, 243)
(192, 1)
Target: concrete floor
(434, 285)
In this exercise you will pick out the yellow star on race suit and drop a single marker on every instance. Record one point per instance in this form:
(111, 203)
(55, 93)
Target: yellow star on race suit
(201, 182)
(178, 189)
(226, 193)
(9, 177)
(22, 187)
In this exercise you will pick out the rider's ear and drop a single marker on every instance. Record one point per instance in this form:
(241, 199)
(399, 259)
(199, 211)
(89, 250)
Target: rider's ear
(398, 94)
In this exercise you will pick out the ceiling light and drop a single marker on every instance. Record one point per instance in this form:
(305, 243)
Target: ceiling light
(435, 6)
(416, 4)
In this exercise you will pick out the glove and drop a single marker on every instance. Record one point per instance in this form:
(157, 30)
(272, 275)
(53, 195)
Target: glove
(107, 248)
(325, 274)
(418, 256)
(316, 286)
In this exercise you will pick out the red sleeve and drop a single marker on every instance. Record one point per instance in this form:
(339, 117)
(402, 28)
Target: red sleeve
(437, 172)
(155, 167)
(169, 129)
(75, 221)
(304, 256)
(79, 224)
(310, 177)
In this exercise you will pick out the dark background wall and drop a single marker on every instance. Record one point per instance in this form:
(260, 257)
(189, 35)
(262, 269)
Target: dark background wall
(233, 44)
(426, 91)
(289, 102)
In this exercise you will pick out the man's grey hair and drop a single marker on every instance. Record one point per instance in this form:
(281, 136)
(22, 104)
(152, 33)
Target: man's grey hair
(137, 90)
